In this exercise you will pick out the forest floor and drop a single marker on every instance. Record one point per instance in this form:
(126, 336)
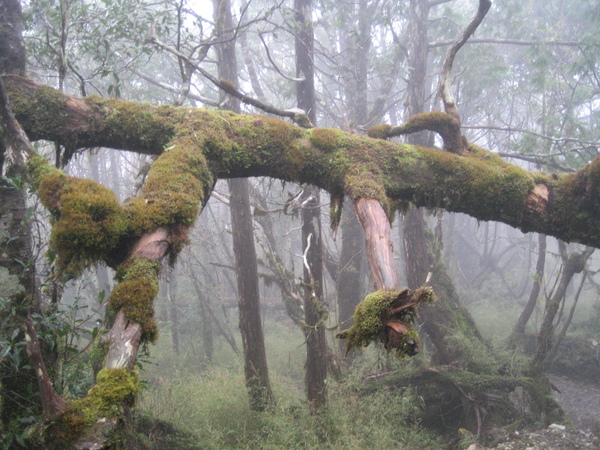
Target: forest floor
(581, 402)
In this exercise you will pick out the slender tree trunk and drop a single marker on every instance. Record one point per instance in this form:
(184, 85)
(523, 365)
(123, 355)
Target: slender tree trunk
(17, 271)
(173, 311)
(519, 328)
(356, 45)
(565, 327)
(255, 358)
(314, 308)
(450, 327)
(572, 264)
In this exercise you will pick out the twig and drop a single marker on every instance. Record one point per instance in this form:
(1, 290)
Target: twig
(444, 88)
(297, 115)
(260, 35)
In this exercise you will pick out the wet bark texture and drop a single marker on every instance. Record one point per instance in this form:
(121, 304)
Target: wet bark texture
(380, 248)
(314, 309)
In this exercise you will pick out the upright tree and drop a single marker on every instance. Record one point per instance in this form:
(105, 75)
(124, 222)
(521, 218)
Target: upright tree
(315, 311)
(255, 357)
(17, 271)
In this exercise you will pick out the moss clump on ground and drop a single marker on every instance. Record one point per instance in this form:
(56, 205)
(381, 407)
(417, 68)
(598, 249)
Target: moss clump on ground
(135, 293)
(386, 316)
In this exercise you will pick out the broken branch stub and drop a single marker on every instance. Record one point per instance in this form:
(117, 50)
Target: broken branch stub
(387, 316)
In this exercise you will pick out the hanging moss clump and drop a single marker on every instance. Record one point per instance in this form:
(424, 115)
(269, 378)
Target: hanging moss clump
(88, 219)
(386, 316)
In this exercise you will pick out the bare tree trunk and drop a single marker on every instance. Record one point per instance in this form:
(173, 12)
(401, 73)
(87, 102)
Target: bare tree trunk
(314, 309)
(17, 271)
(572, 264)
(519, 328)
(255, 358)
(173, 312)
(380, 248)
(565, 327)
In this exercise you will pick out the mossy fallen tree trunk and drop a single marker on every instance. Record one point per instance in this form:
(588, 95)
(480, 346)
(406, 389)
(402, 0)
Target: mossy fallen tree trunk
(198, 146)
(455, 399)
(479, 184)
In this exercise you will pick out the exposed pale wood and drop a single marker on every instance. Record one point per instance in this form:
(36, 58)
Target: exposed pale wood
(380, 248)
(124, 342)
(153, 246)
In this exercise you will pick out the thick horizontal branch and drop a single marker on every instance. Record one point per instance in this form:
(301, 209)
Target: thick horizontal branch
(479, 183)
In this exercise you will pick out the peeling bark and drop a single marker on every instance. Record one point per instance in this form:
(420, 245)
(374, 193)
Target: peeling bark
(124, 341)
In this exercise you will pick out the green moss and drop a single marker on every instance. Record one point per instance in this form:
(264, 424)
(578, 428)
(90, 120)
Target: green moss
(28, 108)
(135, 292)
(364, 185)
(177, 185)
(374, 314)
(114, 389)
(367, 186)
(37, 167)
(479, 182)
(379, 131)
(325, 139)
(88, 219)
(139, 124)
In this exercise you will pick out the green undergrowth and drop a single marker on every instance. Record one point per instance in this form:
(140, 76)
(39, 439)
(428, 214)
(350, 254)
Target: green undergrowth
(219, 416)
(207, 405)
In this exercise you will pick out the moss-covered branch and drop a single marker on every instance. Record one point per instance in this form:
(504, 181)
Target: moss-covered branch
(479, 184)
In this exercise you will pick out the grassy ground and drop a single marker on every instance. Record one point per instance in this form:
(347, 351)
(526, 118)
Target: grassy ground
(192, 405)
